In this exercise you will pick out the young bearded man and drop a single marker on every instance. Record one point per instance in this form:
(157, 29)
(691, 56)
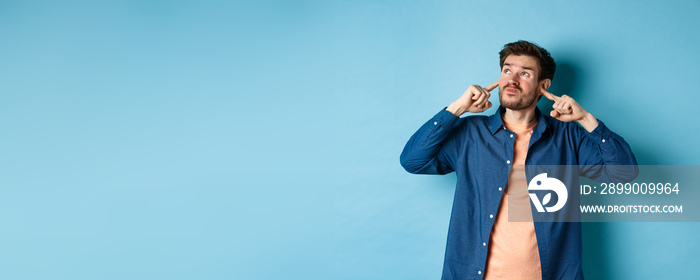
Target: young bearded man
(484, 151)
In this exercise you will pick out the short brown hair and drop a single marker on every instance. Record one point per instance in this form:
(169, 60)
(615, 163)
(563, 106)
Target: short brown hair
(547, 65)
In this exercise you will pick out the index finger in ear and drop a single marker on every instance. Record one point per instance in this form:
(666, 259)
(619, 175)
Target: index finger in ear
(491, 86)
(550, 96)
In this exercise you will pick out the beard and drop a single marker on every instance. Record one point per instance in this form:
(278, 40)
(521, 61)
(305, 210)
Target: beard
(523, 100)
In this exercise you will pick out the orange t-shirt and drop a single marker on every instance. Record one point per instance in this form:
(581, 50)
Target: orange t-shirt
(513, 250)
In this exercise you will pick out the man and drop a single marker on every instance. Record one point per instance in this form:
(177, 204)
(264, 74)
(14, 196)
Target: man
(484, 151)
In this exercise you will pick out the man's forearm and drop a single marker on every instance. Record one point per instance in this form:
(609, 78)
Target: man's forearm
(589, 122)
(456, 109)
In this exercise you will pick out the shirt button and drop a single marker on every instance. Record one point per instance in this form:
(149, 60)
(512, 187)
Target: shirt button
(479, 272)
(508, 161)
(435, 123)
(511, 136)
(500, 189)
(491, 216)
(484, 244)
(603, 140)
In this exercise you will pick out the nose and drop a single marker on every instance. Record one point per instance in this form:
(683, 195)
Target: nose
(513, 80)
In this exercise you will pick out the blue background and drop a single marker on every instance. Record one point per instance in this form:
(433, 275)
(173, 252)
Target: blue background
(229, 140)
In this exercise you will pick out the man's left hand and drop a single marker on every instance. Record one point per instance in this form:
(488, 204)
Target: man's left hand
(566, 109)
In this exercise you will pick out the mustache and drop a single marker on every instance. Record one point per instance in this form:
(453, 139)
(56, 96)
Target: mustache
(512, 86)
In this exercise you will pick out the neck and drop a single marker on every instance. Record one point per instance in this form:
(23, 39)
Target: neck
(523, 116)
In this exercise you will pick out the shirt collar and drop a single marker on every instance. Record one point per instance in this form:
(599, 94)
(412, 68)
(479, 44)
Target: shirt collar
(497, 121)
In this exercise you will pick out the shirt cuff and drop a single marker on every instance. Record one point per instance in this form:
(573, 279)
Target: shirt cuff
(444, 118)
(600, 134)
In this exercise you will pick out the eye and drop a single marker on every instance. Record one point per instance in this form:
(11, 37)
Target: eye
(525, 74)
(507, 71)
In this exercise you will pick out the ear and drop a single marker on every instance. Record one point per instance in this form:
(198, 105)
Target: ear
(544, 85)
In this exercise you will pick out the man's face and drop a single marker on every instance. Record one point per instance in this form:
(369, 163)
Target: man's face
(518, 86)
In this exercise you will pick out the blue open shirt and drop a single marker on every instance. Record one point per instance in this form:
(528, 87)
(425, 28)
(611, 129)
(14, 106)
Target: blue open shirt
(480, 150)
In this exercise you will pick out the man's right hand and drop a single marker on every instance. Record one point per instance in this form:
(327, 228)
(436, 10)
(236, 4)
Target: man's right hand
(474, 100)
